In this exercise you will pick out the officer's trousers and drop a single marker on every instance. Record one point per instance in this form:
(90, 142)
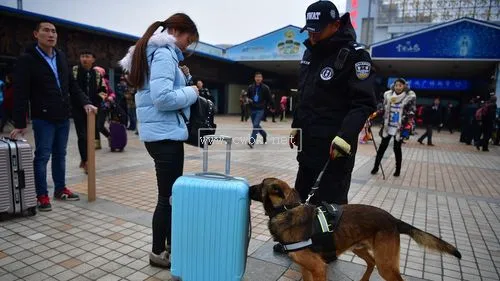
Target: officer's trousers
(336, 181)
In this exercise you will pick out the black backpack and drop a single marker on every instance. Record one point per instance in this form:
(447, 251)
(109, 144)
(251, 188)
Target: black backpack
(201, 121)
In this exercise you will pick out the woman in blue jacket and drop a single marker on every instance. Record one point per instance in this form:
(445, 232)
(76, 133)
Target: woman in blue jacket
(153, 67)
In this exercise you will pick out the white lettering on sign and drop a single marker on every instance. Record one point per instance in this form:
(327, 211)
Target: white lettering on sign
(313, 15)
(408, 47)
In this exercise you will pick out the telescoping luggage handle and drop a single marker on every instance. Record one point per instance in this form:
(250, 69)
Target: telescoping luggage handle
(210, 138)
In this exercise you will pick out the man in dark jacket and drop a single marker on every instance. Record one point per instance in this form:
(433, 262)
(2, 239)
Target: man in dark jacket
(487, 122)
(204, 92)
(259, 96)
(337, 96)
(336, 85)
(433, 116)
(42, 77)
(90, 82)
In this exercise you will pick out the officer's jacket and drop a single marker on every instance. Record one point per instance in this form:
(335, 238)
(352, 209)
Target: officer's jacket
(336, 87)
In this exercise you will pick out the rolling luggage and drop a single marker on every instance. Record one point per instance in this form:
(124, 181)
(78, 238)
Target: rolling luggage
(118, 134)
(210, 224)
(17, 180)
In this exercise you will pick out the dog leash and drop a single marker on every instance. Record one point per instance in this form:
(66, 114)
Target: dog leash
(318, 180)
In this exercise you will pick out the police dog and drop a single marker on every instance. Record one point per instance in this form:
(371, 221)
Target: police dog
(369, 232)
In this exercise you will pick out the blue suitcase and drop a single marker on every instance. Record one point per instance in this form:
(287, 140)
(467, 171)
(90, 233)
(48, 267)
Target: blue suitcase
(210, 224)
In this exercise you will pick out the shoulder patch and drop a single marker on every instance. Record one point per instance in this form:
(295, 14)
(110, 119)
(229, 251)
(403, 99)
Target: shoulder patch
(363, 69)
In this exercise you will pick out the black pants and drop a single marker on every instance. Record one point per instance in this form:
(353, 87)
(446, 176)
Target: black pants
(80, 119)
(487, 131)
(336, 181)
(169, 163)
(397, 152)
(428, 134)
(100, 128)
(6, 117)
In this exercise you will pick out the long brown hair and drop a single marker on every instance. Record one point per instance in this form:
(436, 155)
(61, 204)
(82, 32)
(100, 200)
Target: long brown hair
(179, 22)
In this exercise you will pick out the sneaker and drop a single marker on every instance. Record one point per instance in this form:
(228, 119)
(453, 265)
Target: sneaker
(98, 144)
(66, 195)
(83, 165)
(250, 144)
(44, 203)
(162, 260)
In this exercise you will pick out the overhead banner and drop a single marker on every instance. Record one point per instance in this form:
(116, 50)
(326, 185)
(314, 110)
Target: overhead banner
(282, 44)
(462, 39)
(434, 84)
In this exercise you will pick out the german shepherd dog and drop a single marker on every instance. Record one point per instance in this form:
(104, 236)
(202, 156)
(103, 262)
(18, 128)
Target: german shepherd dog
(369, 232)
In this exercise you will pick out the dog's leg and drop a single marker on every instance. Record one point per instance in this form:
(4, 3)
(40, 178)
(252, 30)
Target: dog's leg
(386, 254)
(306, 274)
(370, 262)
(312, 262)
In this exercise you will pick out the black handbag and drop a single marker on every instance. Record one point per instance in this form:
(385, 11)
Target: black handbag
(201, 121)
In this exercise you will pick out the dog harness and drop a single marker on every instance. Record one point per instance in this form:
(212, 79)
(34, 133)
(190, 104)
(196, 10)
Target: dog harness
(327, 219)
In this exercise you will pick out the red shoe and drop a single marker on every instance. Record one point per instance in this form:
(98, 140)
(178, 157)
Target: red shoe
(44, 203)
(67, 195)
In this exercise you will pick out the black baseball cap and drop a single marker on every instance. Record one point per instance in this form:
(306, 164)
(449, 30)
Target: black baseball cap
(319, 15)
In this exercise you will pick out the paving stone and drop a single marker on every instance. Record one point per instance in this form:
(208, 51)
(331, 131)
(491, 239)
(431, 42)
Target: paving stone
(66, 275)
(109, 277)
(95, 274)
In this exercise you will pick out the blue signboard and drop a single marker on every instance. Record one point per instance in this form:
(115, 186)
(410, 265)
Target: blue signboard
(435, 84)
(282, 44)
(462, 39)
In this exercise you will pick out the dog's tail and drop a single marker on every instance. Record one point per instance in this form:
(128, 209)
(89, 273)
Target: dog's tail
(427, 240)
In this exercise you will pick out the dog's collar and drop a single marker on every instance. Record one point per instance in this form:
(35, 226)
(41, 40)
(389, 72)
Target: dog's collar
(283, 208)
(297, 245)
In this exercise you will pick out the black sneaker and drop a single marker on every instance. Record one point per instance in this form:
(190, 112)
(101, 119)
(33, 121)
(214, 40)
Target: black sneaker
(250, 144)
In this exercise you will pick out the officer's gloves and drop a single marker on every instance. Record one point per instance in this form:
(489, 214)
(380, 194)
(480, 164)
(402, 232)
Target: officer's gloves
(339, 148)
(294, 138)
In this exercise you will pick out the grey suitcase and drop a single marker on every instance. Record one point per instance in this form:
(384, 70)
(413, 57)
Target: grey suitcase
(17, 181)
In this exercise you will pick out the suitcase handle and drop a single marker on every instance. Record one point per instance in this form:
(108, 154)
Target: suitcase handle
(228, 140)
(215, 175)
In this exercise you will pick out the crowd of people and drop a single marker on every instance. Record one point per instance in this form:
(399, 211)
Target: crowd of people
(336, 85)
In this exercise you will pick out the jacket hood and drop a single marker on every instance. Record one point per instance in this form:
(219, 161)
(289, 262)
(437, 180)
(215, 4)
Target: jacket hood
(344, 35)
(158, 40)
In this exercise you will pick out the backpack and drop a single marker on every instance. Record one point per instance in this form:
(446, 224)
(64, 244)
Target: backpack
(481, 112)
(201, 121)
(97, 76)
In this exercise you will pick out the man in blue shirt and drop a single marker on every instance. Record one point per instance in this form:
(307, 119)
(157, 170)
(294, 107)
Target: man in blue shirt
(259, 96)
(42, 77)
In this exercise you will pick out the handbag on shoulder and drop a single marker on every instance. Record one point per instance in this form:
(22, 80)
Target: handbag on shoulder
(201, 121)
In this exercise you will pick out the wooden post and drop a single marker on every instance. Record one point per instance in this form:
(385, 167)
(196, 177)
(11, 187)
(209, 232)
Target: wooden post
(91, 156)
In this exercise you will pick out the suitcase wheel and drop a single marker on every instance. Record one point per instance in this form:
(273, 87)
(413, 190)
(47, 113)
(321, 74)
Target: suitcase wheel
(3, 216)
(121, 150)
(32, 211)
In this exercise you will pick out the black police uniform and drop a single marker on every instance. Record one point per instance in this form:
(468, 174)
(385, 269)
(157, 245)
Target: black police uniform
(336, 97)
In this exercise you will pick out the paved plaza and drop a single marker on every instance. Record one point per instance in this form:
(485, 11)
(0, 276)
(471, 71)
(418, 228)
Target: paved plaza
(451, 190)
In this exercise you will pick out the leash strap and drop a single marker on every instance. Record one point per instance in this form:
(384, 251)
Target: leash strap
(318, 180)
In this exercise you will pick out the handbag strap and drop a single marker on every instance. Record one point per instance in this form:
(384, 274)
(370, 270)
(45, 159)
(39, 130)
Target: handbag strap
(184, 117)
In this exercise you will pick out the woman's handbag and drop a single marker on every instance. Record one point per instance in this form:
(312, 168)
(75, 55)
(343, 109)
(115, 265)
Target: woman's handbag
(201, 121)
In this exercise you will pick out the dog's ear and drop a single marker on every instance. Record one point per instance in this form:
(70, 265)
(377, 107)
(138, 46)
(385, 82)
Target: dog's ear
(277, 190)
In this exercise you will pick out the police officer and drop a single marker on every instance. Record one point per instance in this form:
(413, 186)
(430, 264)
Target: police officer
(336, 85)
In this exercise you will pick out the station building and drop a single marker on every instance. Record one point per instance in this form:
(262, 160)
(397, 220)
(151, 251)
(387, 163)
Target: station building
(454, 60)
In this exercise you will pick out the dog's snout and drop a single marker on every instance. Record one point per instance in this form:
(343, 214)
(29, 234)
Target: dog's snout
(255, 192)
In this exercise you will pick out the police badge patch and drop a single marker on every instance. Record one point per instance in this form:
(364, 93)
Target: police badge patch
(362, 69)
(326, 73)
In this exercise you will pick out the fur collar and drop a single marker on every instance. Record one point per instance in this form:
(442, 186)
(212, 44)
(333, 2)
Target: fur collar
(156, 41)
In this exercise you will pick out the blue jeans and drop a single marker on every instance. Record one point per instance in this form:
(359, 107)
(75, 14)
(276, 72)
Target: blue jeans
(51, 139)
(257, 116)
